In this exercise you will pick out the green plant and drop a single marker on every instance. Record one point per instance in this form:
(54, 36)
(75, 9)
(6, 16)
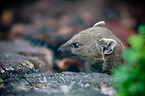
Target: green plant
(130, 77)
(1, 80)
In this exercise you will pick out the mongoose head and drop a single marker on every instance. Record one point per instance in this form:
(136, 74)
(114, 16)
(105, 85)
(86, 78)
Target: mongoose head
(95, 44)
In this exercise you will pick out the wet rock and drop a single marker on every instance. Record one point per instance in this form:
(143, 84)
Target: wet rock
(61, 84)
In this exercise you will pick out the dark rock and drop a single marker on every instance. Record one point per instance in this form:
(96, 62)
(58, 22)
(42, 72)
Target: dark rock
(17, 52)
(13, 66)
(60, 84)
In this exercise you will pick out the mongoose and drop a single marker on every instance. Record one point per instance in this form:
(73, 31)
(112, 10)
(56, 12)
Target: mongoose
(98, 46)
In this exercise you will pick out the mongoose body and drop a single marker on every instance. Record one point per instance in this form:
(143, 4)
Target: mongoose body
(98, 46)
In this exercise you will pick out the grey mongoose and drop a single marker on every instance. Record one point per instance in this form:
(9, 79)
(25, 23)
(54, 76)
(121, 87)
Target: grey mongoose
(98, 46)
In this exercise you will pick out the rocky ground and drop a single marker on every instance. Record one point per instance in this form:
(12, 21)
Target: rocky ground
(59, 84)
(32, 30)
(26, 70)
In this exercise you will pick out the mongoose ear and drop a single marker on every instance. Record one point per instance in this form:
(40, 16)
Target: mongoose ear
(99, 24)
(106, 46)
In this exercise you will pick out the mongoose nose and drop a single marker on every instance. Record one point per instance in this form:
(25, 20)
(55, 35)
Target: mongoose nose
(59, 49)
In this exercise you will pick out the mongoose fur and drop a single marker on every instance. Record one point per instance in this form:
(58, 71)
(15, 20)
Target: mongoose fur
(98, 46)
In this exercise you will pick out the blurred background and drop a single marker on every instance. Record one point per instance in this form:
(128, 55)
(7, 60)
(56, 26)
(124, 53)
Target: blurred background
(50, 23)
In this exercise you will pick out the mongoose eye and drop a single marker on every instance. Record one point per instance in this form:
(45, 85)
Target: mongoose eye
(76, 45)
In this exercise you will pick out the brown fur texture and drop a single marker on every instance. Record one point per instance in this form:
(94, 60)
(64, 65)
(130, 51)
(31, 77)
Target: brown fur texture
(98, 46)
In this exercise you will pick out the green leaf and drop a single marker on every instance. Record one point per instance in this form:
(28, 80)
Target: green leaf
(130, 76)
(1, 80)
(136, 42)
(141, 29)
(131, 56)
